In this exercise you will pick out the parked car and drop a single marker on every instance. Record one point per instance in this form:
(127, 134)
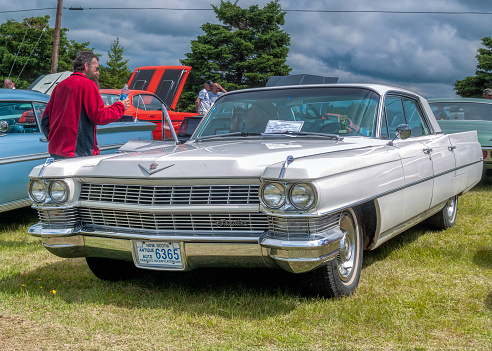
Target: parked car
(263, 183)
(46, 83)
(146, 106)
(23, 146)
(465, 114)
(150, 87)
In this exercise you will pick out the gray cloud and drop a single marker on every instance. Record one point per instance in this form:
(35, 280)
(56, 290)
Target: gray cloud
(425, 53)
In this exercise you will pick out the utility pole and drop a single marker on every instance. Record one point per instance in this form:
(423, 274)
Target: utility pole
(56, 37)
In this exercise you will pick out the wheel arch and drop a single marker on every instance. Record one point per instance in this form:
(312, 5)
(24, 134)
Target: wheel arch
(369, 222)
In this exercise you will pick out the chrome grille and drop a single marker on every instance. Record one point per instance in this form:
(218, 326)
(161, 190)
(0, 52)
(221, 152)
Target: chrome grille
(300, 226)
(59, 218)
(134, 220)
(171, 195)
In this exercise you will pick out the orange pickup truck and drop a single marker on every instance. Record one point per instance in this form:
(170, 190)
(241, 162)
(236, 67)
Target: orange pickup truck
(150, 86)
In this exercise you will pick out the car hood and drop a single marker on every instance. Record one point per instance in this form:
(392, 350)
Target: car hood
(483, 128)
(232, 159)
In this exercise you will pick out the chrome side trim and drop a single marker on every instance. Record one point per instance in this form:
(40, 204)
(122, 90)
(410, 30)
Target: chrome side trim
(12, 205)
(110, 147)
(24, 158)
(370, 198)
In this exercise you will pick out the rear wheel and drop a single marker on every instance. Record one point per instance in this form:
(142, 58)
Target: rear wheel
(111, 269)
(446, 218)
(340, 276)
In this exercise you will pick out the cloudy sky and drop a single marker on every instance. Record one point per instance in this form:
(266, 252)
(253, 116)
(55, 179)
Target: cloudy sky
(371, 42)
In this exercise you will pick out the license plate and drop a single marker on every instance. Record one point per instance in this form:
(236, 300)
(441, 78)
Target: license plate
(164, 254)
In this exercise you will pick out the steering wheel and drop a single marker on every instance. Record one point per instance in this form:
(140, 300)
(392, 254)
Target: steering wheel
(332, 127)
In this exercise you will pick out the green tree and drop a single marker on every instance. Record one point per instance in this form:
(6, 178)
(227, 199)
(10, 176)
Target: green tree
(473, 86)
(116, 74)
(242, 52)
(26, 49)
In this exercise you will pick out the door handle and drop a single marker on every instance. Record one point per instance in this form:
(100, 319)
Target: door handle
(427, 151)
(451, 148)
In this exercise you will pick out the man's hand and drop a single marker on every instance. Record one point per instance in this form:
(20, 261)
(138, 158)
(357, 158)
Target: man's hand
(219, 87)
(126, 102)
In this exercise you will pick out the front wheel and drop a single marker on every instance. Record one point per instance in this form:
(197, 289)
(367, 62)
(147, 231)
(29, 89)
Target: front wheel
(446, 218)
(340, 276)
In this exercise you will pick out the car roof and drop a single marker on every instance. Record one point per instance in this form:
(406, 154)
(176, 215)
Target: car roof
(379, 88)
(22, 95)
(455, 100)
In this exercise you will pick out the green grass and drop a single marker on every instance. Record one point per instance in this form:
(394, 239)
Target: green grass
(422, 290)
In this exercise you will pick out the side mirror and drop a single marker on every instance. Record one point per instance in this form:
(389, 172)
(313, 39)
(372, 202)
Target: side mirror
(403, 131)
(4, 126)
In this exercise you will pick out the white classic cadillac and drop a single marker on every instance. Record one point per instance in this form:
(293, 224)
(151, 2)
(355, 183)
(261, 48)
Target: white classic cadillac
(302, 178)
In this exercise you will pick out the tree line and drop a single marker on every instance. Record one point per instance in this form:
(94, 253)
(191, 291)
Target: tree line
(243, 51)
(247, 48)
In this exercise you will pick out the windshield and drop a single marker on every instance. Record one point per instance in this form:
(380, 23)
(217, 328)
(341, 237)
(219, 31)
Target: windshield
(327, 110)
(462, 110)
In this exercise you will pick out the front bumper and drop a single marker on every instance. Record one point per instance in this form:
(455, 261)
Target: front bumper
(267, 250)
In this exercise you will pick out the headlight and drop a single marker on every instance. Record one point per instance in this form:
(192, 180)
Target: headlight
(58, 191)
(302, 196)
(37, 191)
(273, 195)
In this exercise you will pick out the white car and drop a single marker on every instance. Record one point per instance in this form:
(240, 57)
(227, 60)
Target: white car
(302, 178)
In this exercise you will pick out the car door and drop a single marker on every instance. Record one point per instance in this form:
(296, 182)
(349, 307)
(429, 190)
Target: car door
(438, 148)
(415, 159)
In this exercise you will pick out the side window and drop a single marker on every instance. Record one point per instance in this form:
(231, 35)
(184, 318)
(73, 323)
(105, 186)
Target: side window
(403, 110)
(395, 114)
(414, 117)
(21, 117)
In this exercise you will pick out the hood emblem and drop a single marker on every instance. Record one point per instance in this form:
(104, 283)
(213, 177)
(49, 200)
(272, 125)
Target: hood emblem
(153, 168)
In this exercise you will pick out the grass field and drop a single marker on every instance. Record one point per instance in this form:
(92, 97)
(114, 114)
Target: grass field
(423, 290)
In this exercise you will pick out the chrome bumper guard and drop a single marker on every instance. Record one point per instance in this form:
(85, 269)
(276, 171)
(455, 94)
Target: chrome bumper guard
(267, 250)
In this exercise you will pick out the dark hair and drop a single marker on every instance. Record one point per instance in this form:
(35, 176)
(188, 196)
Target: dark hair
(84, 56)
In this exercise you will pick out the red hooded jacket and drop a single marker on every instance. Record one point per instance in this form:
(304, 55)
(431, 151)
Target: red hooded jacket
(70, 118)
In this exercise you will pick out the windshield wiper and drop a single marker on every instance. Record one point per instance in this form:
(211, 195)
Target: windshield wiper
(331, 136)
(242, 134)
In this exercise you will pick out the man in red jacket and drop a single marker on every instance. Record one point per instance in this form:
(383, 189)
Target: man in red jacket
(75, 108)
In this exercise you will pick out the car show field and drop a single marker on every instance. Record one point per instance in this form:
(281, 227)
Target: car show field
(424, 290)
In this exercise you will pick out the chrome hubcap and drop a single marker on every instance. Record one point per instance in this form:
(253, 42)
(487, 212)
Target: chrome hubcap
(347, 248)
(451, 208)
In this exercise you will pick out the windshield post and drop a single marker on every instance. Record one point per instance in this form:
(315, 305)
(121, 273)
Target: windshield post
(165, 116)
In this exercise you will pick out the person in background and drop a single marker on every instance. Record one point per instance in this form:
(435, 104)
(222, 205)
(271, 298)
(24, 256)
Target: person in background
(440, 113)
(75, 108)
(487, 94)
(202, 103)
(216, 91)
(8, 84)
